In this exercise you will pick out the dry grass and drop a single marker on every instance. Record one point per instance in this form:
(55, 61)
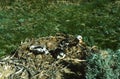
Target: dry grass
(24, 64)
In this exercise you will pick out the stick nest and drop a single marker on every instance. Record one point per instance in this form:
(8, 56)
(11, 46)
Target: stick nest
(24, 64)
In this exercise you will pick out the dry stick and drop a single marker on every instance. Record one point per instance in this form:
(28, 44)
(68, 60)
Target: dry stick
(76, 60)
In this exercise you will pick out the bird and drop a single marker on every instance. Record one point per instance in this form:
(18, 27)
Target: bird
(37, 49)
(79, 37)
(63, 43)
(58, 53)
(75, 41)
(61, 55)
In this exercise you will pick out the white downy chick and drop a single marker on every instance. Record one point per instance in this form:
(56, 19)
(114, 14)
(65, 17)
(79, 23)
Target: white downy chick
(38, 49)
(79, 37)
(61, 55)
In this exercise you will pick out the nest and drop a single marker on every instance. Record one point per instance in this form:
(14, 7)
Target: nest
(25, 64)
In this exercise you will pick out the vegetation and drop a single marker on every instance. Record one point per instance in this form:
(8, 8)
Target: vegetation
(104, 65)
(98, 21)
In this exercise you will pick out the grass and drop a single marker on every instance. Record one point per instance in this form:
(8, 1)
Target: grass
(97, 23)
(96, 20)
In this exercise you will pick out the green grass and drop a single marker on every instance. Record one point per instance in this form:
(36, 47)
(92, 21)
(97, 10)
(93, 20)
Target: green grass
(98, 21)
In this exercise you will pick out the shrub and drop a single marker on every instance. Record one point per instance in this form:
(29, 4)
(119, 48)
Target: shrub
(103, 65)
